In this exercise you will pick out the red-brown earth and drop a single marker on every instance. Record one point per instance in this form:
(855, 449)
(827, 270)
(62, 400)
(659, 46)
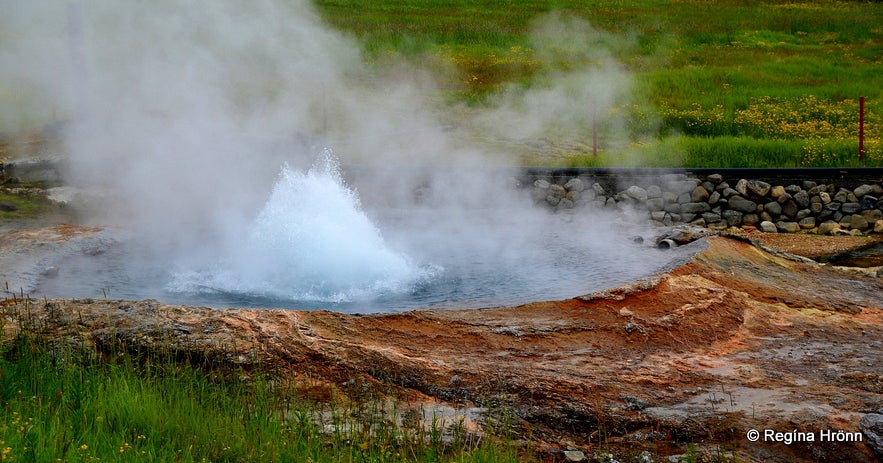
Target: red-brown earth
(737, 339)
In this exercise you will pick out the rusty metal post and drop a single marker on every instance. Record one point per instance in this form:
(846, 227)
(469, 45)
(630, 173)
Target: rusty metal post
(861, 129)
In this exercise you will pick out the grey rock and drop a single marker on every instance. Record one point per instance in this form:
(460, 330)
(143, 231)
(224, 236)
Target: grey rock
(637, 193)
(695, 208)
(809, 184)
(833, 206)
(684, 198)
(673, 208)
(759, 188)
(742, 187)
(670, 197)
(863, 190)
(816, 207)
(598, 189)
(8, 206)
(714, 197)
(574, 455)
(784, 198)
(773, 208)
(802, 214)
(555, 195)
(878, 227)
(733, 218)
(575, 184)
(750, 219)
(787, 227)
(871, 426)
(768, 227)
(655, 204)
(825, 197)
(729, 192)
(715, 178)
(766, 217)
(565, 203)
(711, 217)
(790, 208)
(777, 191)
(792, 189)
(802, 198)
(738, 203)
(850, 208)
(653, 191)
(842, 195)
(658, 216)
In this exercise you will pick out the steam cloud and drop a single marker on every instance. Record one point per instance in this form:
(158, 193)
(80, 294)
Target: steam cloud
(181, 115)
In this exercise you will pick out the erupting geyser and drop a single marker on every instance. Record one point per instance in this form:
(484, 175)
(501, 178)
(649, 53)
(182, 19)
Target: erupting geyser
(311, 242)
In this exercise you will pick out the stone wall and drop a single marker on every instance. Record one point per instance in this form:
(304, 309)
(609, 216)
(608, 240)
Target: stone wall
(716, 202)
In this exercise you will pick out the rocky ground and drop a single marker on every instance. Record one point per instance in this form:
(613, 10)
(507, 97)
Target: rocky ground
(739, 339)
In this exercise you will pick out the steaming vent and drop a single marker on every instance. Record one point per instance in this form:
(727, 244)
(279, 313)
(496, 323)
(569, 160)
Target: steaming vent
(311, 242)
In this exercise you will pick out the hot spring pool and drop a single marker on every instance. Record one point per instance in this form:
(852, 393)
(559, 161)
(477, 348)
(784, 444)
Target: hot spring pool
(314, 246)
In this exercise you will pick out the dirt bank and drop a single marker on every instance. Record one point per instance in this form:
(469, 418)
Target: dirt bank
(737, 339)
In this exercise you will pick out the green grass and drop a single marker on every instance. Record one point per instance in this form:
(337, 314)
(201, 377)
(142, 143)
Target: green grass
(696, 65)
(61, 400)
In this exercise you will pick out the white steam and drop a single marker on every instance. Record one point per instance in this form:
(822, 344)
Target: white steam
(180, 114)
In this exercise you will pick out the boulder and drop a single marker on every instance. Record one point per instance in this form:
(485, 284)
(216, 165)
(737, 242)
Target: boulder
(807, 223)
(872, 215)
(637, 193)
(742, 187)
(790, 208)
(802, 198)
(555, 195)
(699, 194)
(575, 184)
(825, 197)
(750, 219)
(768, 227)
(598, 189)
(738, 203)
(655, 204)
(878, 226)
(695, 207)
(777, 191)
(863, 190)
(733, 218)
(773, 208)
(653, 191)
(858, 223)
(828, 227)
(787, 227)
(715, 178)
(714, 197)
(850, 208)
(871, 426)
(758, 188)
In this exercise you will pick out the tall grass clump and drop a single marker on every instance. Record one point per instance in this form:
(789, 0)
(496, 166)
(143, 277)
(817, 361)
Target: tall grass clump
(61, 400)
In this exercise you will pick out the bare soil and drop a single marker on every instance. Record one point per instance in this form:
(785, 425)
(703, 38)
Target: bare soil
(737, 339)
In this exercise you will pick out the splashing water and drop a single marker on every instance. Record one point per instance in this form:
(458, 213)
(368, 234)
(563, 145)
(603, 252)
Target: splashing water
(311, 241)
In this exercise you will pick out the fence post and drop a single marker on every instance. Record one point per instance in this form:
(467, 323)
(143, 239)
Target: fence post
(861, 129)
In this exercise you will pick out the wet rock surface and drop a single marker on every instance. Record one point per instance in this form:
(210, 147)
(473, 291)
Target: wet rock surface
(737, 339)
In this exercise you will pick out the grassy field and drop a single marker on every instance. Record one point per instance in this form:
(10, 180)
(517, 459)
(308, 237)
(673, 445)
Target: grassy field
(728, 83)
(64, 402)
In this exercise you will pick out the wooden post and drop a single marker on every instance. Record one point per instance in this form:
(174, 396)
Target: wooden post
(861, 129)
